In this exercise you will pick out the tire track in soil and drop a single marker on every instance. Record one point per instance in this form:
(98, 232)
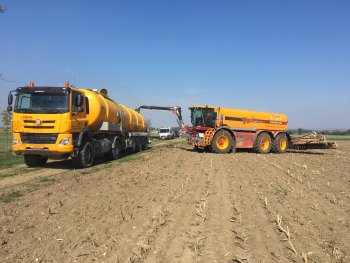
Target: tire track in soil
(163, 245)
(258, 235)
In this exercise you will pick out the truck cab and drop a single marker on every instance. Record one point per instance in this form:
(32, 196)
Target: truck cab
(45, 121)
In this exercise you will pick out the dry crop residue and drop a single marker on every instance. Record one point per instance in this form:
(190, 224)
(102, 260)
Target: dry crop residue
(177, 205)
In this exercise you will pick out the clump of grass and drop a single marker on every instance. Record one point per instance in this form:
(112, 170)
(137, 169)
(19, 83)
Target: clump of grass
(10, 197)
(282, 190)
(7, 159)
(129, 158)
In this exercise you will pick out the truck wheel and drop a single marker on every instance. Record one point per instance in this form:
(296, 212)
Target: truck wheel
(139, 144)
(33, 160)
(86, 158)
(115, 152)
(222, 142)
(280, 143)
(133, 147)
(144, 143)
(262, 143)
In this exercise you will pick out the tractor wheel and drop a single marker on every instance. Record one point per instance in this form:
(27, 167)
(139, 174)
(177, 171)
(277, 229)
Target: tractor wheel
(262, 143)
(222, 142)
(86, 158)
(280, 143)
(33, 160)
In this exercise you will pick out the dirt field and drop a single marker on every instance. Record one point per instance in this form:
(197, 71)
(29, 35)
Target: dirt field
(172, 204)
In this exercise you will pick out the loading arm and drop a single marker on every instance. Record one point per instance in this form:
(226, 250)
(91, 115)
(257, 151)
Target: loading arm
(175, 109)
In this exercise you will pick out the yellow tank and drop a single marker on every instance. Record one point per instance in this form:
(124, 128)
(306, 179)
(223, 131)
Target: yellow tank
(246, 119)
(240, 119)
(103, 109)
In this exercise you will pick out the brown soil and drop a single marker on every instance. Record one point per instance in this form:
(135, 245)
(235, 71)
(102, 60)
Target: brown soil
(176, 205)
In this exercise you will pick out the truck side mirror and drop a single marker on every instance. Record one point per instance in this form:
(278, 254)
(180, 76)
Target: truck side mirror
(9, 108)
(10, 99)
(80, 101)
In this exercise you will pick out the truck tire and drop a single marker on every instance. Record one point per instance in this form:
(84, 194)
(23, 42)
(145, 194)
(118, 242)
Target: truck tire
(33, 160)
(86, 157)
(115, 152)
(222, 142)
(144, 143)
(262, 143)
(139, 144)
(133, 146)
(280, 143)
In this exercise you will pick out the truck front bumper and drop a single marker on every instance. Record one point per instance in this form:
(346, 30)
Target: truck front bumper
(57, 148)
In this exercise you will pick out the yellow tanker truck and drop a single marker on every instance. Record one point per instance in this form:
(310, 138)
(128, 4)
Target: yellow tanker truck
(222, 130)
(62, 122)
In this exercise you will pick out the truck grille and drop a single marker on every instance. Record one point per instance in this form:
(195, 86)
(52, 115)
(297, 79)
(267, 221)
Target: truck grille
(39, 138)
(41, 126)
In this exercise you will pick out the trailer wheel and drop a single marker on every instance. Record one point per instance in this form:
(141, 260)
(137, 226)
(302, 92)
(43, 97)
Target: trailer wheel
(86, 158)
(262, 143)
(33, 160)
(222, 142)
(280, 143)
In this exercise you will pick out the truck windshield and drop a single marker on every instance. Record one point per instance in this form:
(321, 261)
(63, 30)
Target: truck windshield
(164, 130)
(204, 117)
(42, 102)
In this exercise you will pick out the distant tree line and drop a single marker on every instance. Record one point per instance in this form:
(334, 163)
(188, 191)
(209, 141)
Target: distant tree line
(324, 132)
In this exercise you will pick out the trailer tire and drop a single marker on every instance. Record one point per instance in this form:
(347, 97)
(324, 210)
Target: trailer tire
(86, 157)
(33, 160)
(262, 143)
(280, 143)
(222, 142)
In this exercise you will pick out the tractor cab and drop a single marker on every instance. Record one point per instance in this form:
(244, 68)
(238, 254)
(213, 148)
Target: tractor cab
(203, 116)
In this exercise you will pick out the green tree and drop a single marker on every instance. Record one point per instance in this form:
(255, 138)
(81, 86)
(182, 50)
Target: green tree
(6, 117)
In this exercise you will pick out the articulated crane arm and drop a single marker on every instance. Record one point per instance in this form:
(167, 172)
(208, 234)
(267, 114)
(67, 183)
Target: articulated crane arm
(176, 110)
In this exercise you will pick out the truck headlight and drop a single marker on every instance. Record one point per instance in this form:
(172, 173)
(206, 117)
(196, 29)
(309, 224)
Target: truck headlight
(14, 141)
(64, 141)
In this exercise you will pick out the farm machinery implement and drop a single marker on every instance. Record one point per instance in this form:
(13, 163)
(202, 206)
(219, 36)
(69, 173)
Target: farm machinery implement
(223, 130)
(311, 141)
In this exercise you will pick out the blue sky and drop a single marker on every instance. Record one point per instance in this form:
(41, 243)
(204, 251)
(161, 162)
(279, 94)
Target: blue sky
(290, 57)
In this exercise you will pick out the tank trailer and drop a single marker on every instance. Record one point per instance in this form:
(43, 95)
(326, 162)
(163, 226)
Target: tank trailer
(63, 122)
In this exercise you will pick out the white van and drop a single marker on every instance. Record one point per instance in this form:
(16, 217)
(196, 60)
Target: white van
(166, 133)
